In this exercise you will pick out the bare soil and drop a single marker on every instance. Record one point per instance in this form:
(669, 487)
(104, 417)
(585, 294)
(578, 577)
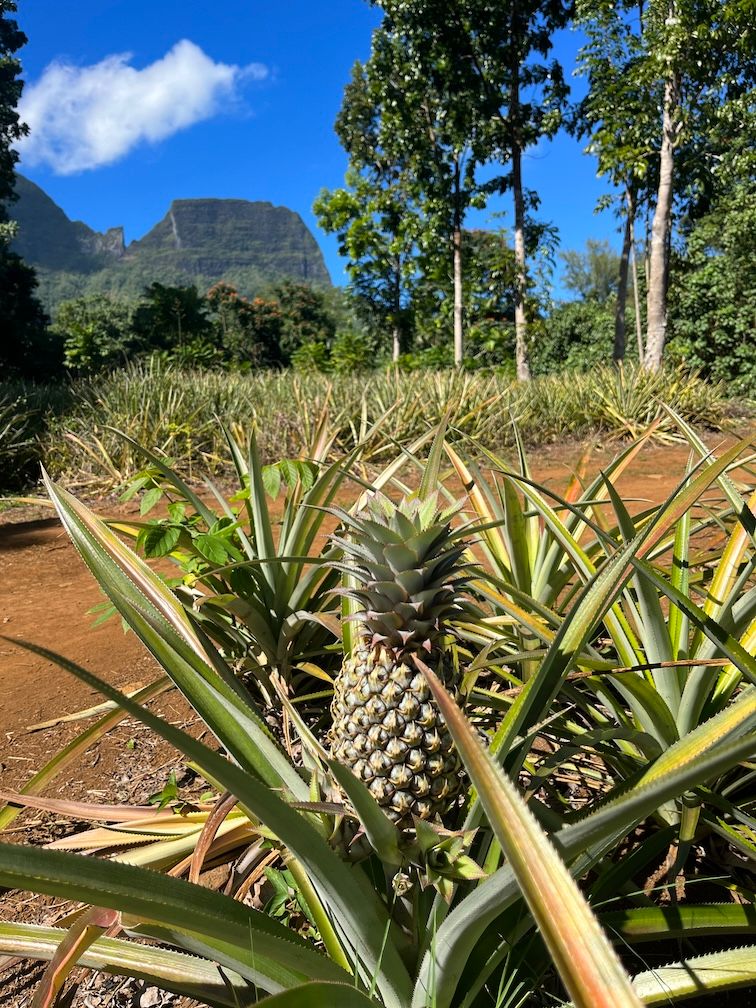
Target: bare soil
(47, 593)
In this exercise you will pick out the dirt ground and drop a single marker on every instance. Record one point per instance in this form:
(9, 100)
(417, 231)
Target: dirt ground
(46, 594)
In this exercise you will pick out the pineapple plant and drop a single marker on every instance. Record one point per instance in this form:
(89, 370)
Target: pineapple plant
(407, 574)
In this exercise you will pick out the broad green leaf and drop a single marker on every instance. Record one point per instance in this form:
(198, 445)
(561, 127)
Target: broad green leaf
(212, 547)
(161, 465)
(173, 971)
(159, 540)
(271, 478)
(734, 969)
(150, 500)
(262, 949)
(320, 995)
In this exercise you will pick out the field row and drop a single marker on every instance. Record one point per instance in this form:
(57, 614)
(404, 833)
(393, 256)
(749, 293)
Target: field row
(73, 429)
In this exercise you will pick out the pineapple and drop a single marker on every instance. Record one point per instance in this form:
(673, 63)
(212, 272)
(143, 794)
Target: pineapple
(409, 573)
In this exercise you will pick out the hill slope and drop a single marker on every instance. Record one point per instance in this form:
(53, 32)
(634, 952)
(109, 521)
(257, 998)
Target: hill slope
(199, 241)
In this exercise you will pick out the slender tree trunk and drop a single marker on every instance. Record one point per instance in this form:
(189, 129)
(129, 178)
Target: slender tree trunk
(459, 348)
(521, 322)
(619, 312)
(636, 294)
(396, 343)
(656, 314)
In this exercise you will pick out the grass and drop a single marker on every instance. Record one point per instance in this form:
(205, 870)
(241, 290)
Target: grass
(177, 412)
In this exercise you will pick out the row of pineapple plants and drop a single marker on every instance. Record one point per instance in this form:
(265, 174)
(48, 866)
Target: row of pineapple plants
(433, 854)
(178, 410)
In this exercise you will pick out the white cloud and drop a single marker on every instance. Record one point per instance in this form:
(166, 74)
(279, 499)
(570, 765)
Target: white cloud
(85, 117)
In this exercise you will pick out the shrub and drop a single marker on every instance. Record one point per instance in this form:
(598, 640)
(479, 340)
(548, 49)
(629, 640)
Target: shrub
(311, 357)
(96, 332)
(352, 351)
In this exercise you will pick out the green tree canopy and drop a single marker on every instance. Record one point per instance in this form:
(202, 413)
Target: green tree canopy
(671, 93)
(713, 292)
(167, 317)
(25, 345)
(96, 332)
(591, 274)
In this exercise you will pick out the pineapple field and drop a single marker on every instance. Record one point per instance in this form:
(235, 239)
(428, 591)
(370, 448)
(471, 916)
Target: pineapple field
(378, 530)
(440, 724)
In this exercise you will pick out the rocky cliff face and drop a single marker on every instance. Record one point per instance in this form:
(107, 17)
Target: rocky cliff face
(110, 244)
(210, 237)
(48, 240)
(199, 241)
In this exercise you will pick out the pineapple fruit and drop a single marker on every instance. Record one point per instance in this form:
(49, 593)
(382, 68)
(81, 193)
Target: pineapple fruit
(409, 572)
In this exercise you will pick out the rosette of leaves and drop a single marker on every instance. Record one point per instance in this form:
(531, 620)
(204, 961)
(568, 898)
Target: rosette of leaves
(383, 933)
(260, 585)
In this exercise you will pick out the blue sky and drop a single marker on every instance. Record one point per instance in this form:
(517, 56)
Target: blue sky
(136, 103)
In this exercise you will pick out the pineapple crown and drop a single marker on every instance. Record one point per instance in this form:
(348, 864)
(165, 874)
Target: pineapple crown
(408, 564)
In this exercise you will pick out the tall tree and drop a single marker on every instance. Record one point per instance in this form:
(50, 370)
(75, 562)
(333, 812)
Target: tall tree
(432, 127)
(704, 51)
(25, 345)
(693, 60)
(168, 317)
(619, 115)
(374, 214)
(445, 85)
(531, 28)
(591, 274)
(483, 57)
(11, 128)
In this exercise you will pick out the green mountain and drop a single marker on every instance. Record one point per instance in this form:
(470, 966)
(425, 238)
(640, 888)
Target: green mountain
(199, 241)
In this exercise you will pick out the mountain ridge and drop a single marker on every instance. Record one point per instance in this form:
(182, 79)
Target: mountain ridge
(249, 244)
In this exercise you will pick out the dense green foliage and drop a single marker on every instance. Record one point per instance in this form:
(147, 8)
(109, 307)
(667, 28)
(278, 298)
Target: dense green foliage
(713, 295)
(11, 86)
(220, 329)
(434, 124)
(668, 110)
(96, 332)
(591, 275)
(25, 349)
